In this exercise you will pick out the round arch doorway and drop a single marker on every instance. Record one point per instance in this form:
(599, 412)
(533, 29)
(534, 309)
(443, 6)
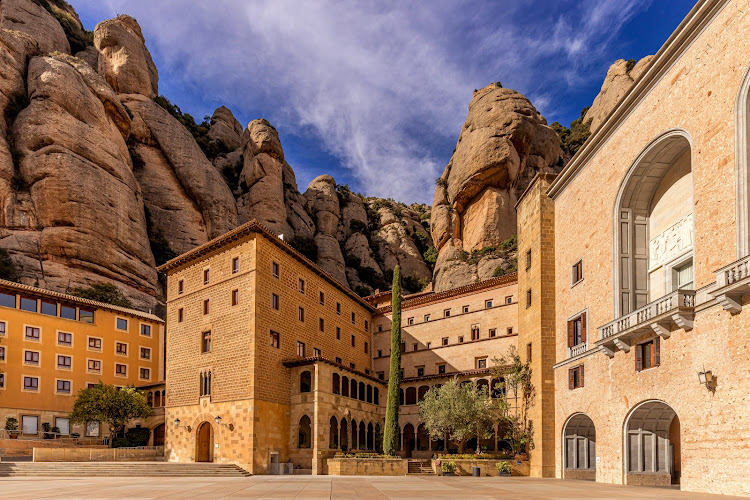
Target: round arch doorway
(204, 443)
(652, 444)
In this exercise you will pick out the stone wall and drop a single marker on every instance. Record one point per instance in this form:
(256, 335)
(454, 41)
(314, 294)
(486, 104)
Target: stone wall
(25, 447)
(367, 466)
(96, 455)
(465, 467)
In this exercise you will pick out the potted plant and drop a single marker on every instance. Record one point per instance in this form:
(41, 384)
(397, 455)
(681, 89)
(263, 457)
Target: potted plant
(11, 425)
(503, 468)
(56, 432)
(75, 435)
(448, 467)
(47, 430)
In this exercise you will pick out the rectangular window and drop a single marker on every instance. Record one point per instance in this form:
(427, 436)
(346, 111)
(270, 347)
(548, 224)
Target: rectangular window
(509, 299)
(474, 332)
(415, 346)
(647, 355)
(465, 309)
(461, 339)
(29, 424)
(577, 330)
(380, 328)
(380, 353)
(63, 386)
(235, 265)
(354, 341)
(122, 324)
(33, 333)
(410, 321)
(31, 383)
(28, 304)
(352, 366)
(381, 375)
(121, 349)
(275, 269)
(403, 346)
(528, 259)
(67, 312)
(481, 363)
(64, 362)
(420, 371)
(426, 318)
(338, 333)
(95, 343)
(338, 360)
(64, 339)
(441, 368)
(575, 377)
(322, 299)
(235, 297)
(2, 380)
(528, 297)
(2, 353)
(180, 287)
(301, 285)
(429, 345)
(206, 306)
(121, 370)
(85, 315)
(49, 308)
(206, 341)
(206, 276)
(301, 313)
(92, 429)
(528, 352)
(510, 330)
(31, 357)
(7, 300)
(321, 325)
(63, 424)
(576, 273)
(300, 349)
(684, 275)
(493, 332)
(367, 326)
(145, 353)
(3, 328)
(445, 340)
(488, 304)
(95, 366)
(274, 339)
(180, 315)
(446, 313)
(354, 319)
(144, 374)
(146, 330)
(338, 308)
(367, 347)
(316, 352)
(274, 301)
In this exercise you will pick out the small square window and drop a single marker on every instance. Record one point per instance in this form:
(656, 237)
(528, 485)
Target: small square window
(275, 269)
(575, 377)
(180, 315)
(410, 321)
(381, 375)
(445, 340)
(94, 366)
(121, 369)
(274, 339)
(31, 383)
(180, 286)
(380, 353)
(64, 339)
(426, 318)
(316, 352)
(493, 332)
(488, 304)
(446, 313)
(647, 355)
(3, 327)
(301, 285)
(121, 349)
(235, 297)
(576, 273)
(509, 299)
(510, 330)
(31, 357)
(415, 346)
(2, 353)
(64, 362)
(235, 265)
(352, 366)
(429, 345)
(95, 343)
(481, 363)
(460, 339)
(145, 330)
(338, 360)
(144, 374)
(33, 333)
(63, 386)
(420, 371)
(301, 314)
(465, 309)
(206, 306)
(145, 353)
(122, 324)
(441, 368)
(206, 276)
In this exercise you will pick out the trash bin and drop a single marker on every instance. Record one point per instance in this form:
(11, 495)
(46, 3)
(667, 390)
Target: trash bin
(476, 472)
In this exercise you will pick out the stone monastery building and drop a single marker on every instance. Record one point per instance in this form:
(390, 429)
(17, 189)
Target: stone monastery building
(634, 269)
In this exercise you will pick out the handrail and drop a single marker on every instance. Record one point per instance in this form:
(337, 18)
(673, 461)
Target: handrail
(643, 315)
(56, 437)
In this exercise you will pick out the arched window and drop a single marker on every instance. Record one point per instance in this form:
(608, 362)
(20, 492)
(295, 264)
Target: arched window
(376, 396)
(333, 433)
(345, 386)
(344, 435)
(401, 396)
(370, 437)
(411, 395)
(422, 391)
(361, 391)
(378, 439)
(580, 443)
(157, 399)
(354, 435)
(369, 393)
(353, 389)
(653, 438)
(336, 383)
(305, 381)
(362, 436)
(498, 387)
(150, 398)
(164, 398)
(484, 385)
(423, 439)
(205, 383)
(305, 432)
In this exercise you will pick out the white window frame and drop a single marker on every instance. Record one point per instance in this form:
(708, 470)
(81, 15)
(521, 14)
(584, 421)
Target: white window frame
(26, 339)
(141, 324)
(72, 339)
(64, 393)
(127, 323)
(67, 420)
(58, 367)
(89, 370)
(127, 349)
(38, 383)
(93, 349)
(127, 370)
(25, 363)
(148, 379)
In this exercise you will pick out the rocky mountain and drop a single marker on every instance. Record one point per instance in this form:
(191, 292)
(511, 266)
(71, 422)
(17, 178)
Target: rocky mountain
(102, 179)
(503, 143)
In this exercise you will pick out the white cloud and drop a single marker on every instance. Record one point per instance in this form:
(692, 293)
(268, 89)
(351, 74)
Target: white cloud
(379, 84)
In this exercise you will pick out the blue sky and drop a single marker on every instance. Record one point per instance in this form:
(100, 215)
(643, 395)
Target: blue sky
(375, 93)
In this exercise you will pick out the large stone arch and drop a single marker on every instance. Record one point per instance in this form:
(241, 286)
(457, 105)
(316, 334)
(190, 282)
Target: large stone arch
(579, 447)
(742, 165)
(652, 441)
(662, 170)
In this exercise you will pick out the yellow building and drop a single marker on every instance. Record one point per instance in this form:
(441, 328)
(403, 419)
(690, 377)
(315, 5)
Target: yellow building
(53, 344)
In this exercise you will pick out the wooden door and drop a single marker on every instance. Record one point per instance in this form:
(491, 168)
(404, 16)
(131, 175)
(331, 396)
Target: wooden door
(159, 435)
(204, 443)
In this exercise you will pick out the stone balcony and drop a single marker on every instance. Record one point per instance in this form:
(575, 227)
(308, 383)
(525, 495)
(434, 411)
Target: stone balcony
(732, 282)
(577, 350)
(660, 317)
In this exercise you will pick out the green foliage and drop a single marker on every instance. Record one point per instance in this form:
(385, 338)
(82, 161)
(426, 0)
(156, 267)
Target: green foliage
(211, 147)
(7, 267)
(363, 455)
(413, 284)
(430, 257)
(344, 194)
(363, 291)
(630, 65)
(420, 240)
(47, 431)
(517, 377)
(474, 456)
(137, 436)
(440, 182)
(357, 226)
(462, 411)
(11, 424)
(502, 271)
(391, 431)
(112, 406)
(78, 38)
(102, 291)
(571, 139)
(448, 466)
(503, 467)
(306, 246)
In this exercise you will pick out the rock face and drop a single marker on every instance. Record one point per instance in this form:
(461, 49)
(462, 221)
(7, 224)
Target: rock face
(225, 128)
(620, 78)
(30, 18)
(502, 145)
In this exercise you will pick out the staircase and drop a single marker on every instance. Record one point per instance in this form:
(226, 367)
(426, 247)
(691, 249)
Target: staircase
(121, 469)
(420, 467)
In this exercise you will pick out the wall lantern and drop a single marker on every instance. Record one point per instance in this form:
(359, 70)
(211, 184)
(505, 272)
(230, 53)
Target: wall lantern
(228, 426)
(177, 422)
(706, 378)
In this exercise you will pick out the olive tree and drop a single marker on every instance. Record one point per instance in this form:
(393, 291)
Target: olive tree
(516, 397)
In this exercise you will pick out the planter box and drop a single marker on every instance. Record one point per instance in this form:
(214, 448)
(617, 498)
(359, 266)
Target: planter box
(487, 467)
(367, 466)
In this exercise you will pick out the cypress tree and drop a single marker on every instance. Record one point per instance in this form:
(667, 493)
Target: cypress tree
(391, 431)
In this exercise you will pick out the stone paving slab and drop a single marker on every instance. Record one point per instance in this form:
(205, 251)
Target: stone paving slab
(331, 487)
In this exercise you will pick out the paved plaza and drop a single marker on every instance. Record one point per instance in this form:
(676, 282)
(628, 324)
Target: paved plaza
(302, 487)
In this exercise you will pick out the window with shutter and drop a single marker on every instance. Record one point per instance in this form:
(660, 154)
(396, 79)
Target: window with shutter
(639, 358)
(571, 334)
(570, 379)
(583, 327)
(657, 353)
